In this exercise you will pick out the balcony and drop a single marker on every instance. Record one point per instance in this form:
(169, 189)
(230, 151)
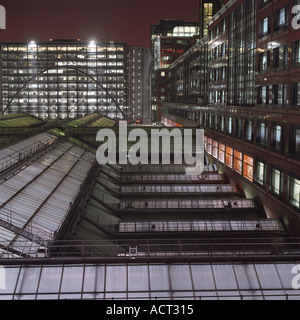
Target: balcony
(188, 204)
(177, 189)
(269, 225)
(174, 178)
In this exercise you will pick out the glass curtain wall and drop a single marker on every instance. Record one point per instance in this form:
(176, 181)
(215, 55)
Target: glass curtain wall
(54, 82)
(242, 44)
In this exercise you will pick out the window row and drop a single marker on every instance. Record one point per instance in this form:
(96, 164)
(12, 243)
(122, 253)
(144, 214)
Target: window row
(277, 182)
(280, 58)
(218, 52)
(280, 22)
(267, 176)
(263, 133)
(279, 95)
(218, 30)
(234, 159)
(45, 48)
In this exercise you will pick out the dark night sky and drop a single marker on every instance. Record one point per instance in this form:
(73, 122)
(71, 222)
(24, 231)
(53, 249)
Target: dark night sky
(117, 20)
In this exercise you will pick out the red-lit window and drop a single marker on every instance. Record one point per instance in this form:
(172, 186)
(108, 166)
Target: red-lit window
(168, 50)
(229, 157)
(209, 146)
(222, 152)
(238, 162)
(248, 168)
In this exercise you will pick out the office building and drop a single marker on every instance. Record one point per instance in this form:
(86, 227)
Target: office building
(169, 40)
(244, 91)
(207, 9)
(73, 229)
(138, 84)
(69, 78)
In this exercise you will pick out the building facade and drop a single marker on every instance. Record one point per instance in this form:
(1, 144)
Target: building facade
(70, 78)
(249, 105)
(138, 86)
(169, 40)
(207, 9)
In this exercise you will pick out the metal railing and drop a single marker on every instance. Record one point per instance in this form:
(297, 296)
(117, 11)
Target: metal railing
(188, 204)
(159, 248)
(172, 177)
(162, 168)
(179, 189)
(10, 219)
(27, 152)
(202, 226)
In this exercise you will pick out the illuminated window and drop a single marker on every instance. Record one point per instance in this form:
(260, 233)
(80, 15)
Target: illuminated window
(261, 173)
(276, 181)
(185, 31)
(215, 149)
(277, 137)
(222, 152)
(238, 162)
(208, 9)
(229, 125)
(281, 18)
(264, 27)
(248, 168)
(208, 14)
(209, 146)
(294, 191)
(229, 157)
(262, 133)
(249, 130)
(222, 124)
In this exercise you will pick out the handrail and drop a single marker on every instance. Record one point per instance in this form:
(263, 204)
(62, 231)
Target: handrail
(154, 248)
(27, 152)
(190, 204)
(257, 225)
(18, 220)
